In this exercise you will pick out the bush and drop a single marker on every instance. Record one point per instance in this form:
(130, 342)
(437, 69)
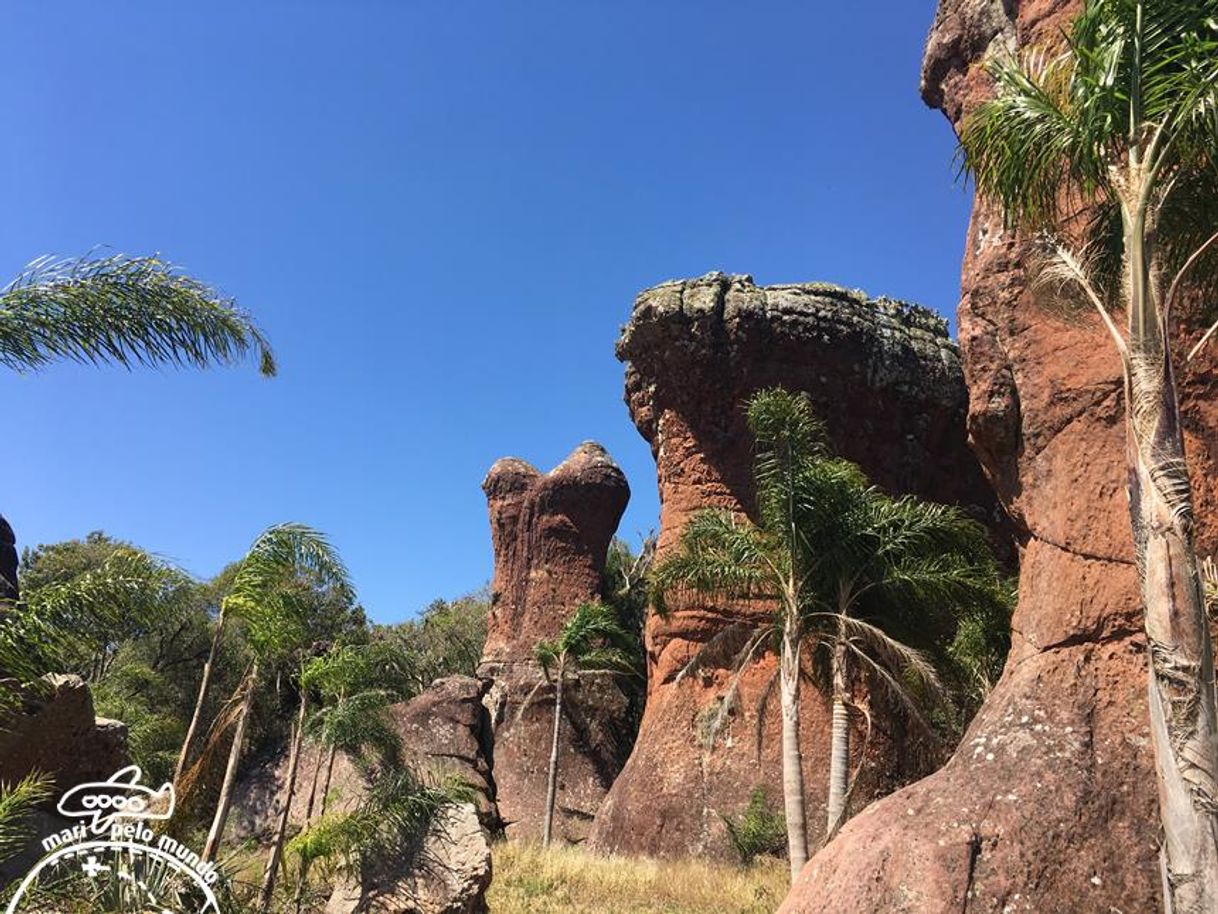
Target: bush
(758, 831)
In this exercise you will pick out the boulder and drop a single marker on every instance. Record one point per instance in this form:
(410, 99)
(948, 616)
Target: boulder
(1048, 805)
(445, 735)
(886, 379)
(550, 533)
(8, 562)
(55, 731)
(448, 873)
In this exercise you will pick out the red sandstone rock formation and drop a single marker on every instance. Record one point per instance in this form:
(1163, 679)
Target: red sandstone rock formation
(550, 534)
(1048, 805)
(887, 381)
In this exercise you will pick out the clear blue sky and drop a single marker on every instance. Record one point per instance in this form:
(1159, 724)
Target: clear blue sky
(440, 212)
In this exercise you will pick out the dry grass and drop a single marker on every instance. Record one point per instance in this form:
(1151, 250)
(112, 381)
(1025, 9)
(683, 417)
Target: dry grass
(529, 880)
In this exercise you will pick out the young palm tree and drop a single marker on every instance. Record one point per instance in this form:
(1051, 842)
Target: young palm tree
(592, 640)
(885, 568)
(277, 622)
(355, 684)
(1122, 122)
(842, 566)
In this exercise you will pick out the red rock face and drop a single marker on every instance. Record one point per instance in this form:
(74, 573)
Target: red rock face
(1049, 804)
(550, 533)
(887, 381)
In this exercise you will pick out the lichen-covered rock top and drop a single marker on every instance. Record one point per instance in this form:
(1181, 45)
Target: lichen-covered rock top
(725, 323)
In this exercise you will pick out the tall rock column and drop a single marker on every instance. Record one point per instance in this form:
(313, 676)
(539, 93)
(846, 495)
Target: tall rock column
(550, 533)
(887, 381)
(1048, 805)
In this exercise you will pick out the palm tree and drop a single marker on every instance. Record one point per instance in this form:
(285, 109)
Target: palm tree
(277, 622)
(591, 640)
(1121, 122)
(356, 684)
(885, 568)
(841, 566)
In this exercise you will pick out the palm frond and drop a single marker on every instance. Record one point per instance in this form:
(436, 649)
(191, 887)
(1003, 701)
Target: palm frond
(910, 664)
(592, 639)
(54, 626)
(277, 616)
(17, 802)
(787, 435)
(720, 554)
(1031, 142)
(129, 310)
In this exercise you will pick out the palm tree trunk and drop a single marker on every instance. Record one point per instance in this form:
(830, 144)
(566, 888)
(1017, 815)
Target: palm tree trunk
(839, 746)
(329, 774)
(281, 833)
(792, 758)
(1184, 722)
(302, 876)
(204, 684)
(230, 771)
(547, 827)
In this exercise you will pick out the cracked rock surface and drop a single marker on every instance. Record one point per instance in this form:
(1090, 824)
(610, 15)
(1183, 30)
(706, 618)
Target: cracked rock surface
(1048, 805)
(886, 378)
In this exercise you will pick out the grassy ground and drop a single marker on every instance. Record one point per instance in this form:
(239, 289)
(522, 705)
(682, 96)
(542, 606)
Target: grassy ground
(568, 880)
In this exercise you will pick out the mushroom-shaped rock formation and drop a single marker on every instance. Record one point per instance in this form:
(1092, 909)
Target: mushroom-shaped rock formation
(886, 379)
(1048, 805)
(550, 534)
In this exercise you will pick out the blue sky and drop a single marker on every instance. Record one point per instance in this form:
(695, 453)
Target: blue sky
(440, 212)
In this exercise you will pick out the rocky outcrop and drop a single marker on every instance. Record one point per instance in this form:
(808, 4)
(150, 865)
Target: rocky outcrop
(445, 735)
(8, 562)
(1048, 805)
(55, 731)
(887, 381)
(447, 873)
(550, 534)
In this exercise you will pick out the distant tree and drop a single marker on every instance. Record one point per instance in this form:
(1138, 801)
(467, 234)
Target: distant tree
(445, 640)
(76, 619)
(591, 640)
(625, 587)
(1120, 121)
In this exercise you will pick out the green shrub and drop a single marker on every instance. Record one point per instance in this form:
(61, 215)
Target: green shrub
(758, 831)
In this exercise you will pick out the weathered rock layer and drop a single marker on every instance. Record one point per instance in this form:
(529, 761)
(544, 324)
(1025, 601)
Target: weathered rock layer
(550, 534)
(1048, 805)
(887, 381)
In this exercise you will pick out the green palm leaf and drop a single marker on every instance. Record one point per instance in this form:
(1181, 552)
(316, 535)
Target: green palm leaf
(129, 310)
